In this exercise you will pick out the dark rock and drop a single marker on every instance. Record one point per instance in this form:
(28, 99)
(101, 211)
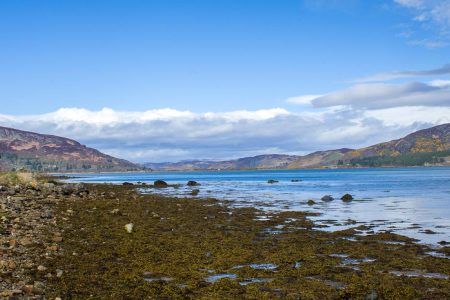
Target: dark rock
(296, 180)
(81, 188)
(347, 198)
(66, 190)
(311, 202)
(127, 183)
(327, 198)
(195, 192)
(192, 183)
(160, 184)
(272, 181)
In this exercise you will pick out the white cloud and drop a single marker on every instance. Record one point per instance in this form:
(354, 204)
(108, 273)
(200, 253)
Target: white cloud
(410, 3)
(435, 14)
(445, 69)
(170, 135)
(305, 99)
(382, 95)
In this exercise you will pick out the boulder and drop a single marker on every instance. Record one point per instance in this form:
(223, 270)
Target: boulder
(272, 181)
(81, 188)
(311, 202)
(66, 189)
(347, 198)
(160, 184)
(327, 198)
(195, 192)
(192, 183)
(127, 183)
(296, 180)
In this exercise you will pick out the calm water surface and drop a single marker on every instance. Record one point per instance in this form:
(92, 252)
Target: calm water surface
(404, 200)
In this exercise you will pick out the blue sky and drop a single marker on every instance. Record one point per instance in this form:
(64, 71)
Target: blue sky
(196, 55)
(60, 60)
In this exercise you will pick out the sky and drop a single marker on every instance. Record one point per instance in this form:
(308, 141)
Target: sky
(171, 80)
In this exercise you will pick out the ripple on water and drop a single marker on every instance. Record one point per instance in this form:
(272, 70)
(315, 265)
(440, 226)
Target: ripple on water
(419, 273)
(255, 280)
(268, 266)
(217, 277)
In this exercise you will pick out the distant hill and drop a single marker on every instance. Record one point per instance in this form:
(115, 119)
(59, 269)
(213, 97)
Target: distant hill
(271, 161)
(39, 152)
(425, 147)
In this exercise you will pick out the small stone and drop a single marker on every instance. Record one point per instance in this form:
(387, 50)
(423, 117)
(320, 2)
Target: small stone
(12, 243)
(52, 248)
(129, 227)
(59, 273)
(57, 239)
(12, 265)
(25, 241)
(41, 268)
(28, 289)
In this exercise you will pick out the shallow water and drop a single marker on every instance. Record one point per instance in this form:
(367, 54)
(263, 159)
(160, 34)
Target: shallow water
(407, 201)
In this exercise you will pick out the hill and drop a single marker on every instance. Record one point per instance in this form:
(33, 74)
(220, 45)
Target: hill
(425, 147)
(39, 152)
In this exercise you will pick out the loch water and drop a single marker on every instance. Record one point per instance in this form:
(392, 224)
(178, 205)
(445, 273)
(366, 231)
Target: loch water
(410, 201)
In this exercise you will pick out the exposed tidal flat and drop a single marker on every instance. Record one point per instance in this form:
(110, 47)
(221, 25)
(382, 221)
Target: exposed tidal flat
(410, 201)
(110, 241)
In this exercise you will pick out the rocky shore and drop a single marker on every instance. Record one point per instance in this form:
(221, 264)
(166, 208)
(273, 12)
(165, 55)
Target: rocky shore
(110, 242)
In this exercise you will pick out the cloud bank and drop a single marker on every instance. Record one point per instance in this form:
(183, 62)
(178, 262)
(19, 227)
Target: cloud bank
(383, 95)
(171, 135)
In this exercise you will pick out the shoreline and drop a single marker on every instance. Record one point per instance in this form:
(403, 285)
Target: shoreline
(179, 248)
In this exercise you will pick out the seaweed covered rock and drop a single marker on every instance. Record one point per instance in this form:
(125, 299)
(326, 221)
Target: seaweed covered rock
(347, 198)
(311, 202)
(66, 190)
(193, 183)
(160, 184)
(195, 192)
(327, 198)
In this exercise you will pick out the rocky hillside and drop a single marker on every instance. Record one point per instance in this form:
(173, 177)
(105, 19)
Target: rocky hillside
(433, 139)
(271, 161)
(319, 159)
(39, 152)
(425, 147)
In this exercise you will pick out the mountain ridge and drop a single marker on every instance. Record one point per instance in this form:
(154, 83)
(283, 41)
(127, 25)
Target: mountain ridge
(430, 146)
(33, 151)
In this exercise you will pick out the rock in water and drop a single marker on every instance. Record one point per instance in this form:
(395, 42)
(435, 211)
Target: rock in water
(160, 184)
(129, 227)
(327, 198)
(272, 181)
(347, 198)
(192, 183)
(311, 202)
(195, 192)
